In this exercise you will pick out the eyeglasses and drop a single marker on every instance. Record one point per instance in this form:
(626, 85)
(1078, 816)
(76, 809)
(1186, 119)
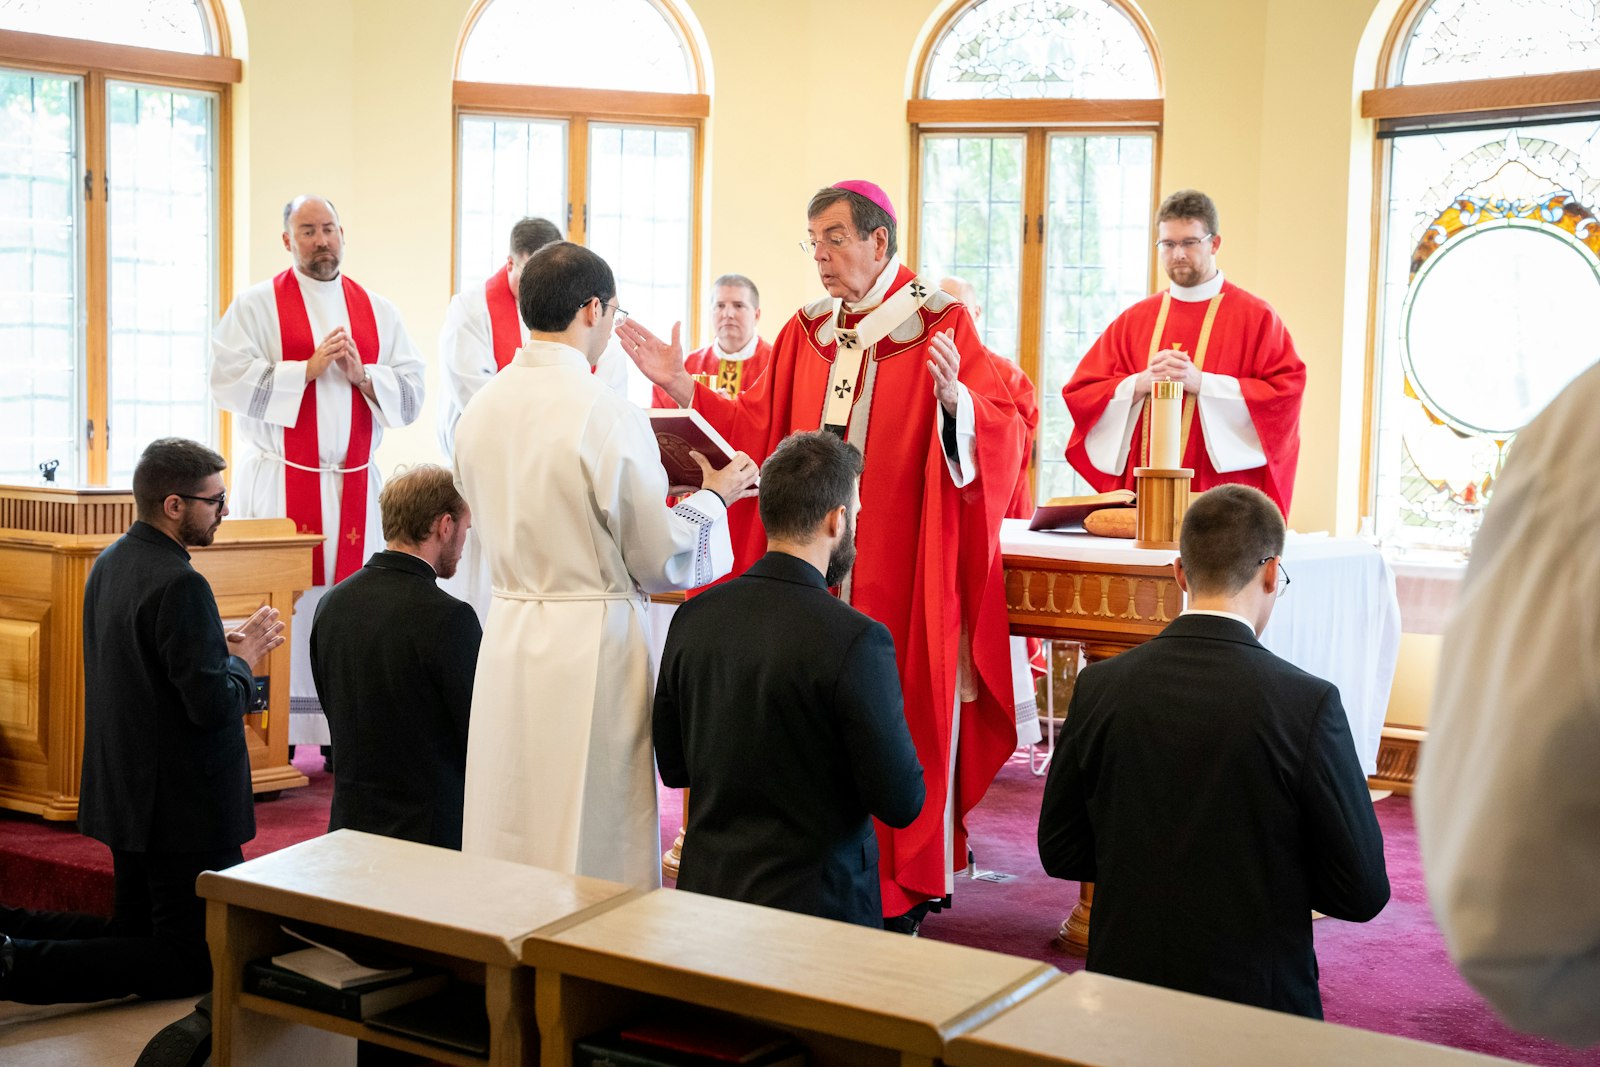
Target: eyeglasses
(219, 501)
(622, 316)
(1188, 244)
(833, 241)
(1283, 575)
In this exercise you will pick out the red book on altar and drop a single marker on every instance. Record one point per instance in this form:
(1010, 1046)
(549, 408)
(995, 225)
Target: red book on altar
(1061, 511)
(680, 431)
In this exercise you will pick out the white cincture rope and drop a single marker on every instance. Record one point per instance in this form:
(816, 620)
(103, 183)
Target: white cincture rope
(506, 594)
(317, 470)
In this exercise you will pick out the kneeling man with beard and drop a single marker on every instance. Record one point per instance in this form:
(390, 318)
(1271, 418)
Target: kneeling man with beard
(779, 707)
(393, 657)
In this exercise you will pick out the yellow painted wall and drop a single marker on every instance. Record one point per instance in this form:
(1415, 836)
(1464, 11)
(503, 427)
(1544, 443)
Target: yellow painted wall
(351, 98)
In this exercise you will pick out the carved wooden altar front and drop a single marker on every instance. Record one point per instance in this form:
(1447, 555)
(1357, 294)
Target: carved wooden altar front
(49, 540)
(1107, 607)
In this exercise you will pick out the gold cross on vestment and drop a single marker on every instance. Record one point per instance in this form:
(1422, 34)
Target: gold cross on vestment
(354, 536)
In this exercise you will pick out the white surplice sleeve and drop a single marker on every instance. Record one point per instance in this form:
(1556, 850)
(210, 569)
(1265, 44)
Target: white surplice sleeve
(248, 375)
(1225, 423)
(665, 549)
(1109, 439)
(398, 373)
(466, 364)
(962, 466)
(1507, 798)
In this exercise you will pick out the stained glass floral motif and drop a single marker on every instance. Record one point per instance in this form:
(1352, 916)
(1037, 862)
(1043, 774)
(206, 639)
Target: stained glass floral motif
(1031, 49)
(173, 25)
(634, 46)
(1458, 40)
(1492, 248)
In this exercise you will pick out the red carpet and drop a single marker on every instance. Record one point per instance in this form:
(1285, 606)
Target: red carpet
(1390, 975)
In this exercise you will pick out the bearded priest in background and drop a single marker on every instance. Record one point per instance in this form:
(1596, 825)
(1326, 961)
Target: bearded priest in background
(892, 364)
(315, 368)
(1230, 350)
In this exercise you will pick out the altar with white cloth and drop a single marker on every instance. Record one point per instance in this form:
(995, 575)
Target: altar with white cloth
(1339, 620)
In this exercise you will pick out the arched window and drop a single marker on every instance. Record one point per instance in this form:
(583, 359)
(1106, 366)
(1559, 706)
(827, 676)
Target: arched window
(1036, 124)
(1489, 249)
(112, 230)
(604, 141)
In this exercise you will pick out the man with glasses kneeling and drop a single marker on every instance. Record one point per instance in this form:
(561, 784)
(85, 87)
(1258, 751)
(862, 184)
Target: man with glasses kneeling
(1211, 790)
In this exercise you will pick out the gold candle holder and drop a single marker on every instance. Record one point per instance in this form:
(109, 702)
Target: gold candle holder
(1163, 497)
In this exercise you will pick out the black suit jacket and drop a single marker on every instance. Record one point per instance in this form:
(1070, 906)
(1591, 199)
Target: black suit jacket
(165, 767)
(1212, 793)
(393, 657)
(779, 707)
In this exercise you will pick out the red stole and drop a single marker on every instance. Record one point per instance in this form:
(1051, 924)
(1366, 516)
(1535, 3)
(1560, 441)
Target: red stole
(505, 324)
(303, 488)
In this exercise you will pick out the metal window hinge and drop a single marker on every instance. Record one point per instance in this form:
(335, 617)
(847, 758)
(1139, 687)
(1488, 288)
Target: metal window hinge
(569, 216)
(88, 185)
(91, 433)
(1041, 227)
(586, 223)
(106, 177)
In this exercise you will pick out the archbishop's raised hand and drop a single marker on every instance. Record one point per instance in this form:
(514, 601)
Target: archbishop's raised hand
(945, 366)
(660, 361)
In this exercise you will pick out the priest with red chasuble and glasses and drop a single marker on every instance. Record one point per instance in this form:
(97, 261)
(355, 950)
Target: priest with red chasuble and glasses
(893, 365)
(315, 368)
(1242, 380)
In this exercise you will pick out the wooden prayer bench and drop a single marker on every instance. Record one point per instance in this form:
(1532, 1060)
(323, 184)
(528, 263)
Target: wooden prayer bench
(1090, 1020)
(468, 914)
(850, 994)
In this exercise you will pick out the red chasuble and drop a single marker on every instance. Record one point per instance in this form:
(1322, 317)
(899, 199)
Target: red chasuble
(733, 376)
(505, 323)
(303, 488)
(928, 559)
(1248, 341)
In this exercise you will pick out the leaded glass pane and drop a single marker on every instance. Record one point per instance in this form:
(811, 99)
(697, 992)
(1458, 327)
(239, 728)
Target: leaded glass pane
(161, 229)
(41, 277)
(641, 187)
(625, 44)
(173, 25)
(971, 224)
(510, 168)
(1097, 263)
(1028, 49)
(1477, 219)
(1458, 40)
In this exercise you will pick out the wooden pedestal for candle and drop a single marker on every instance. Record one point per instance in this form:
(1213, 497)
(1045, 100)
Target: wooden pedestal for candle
(1163, 497)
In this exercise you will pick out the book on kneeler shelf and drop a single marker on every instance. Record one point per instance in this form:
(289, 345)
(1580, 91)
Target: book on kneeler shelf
(690, 1040)
(1063, 511)
(267, 979)
(455, 1017)
(680, 430)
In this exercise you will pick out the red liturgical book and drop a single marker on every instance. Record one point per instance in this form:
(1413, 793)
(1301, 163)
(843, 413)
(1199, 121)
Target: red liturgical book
(1063, 511)
(680, 430)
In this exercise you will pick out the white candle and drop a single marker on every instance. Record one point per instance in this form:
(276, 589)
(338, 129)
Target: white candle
(1166, 416)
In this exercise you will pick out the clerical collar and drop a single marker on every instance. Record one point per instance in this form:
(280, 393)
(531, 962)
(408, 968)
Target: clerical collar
(879, 290)
(308, 282)
(740, 356)
(1221, 615)
(1194, 294)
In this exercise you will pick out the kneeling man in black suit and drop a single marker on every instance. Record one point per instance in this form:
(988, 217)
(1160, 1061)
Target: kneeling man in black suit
(778, 705)
(1210, 790)
(393, 657)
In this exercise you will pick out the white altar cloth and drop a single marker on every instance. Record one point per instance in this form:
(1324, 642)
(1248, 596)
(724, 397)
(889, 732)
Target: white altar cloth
(1339, 620)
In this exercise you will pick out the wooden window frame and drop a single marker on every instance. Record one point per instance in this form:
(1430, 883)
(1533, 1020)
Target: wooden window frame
(96, 63)
(579, 108)
(1037, 120)
(1494, 100)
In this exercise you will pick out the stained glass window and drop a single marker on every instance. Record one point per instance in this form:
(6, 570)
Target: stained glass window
(632, 44)
(1030, 49)
(1491, 263)
(172, 25)
(1458, 40)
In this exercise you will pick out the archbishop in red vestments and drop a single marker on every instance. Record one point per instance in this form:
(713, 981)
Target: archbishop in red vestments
(1243, 382)
(928, 560)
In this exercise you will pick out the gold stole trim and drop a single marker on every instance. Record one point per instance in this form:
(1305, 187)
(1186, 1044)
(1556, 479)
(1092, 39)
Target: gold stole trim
(1199, 364)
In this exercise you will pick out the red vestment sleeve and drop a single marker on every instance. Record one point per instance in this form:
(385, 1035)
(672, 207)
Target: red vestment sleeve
(1113, 356)
(1274, 393)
